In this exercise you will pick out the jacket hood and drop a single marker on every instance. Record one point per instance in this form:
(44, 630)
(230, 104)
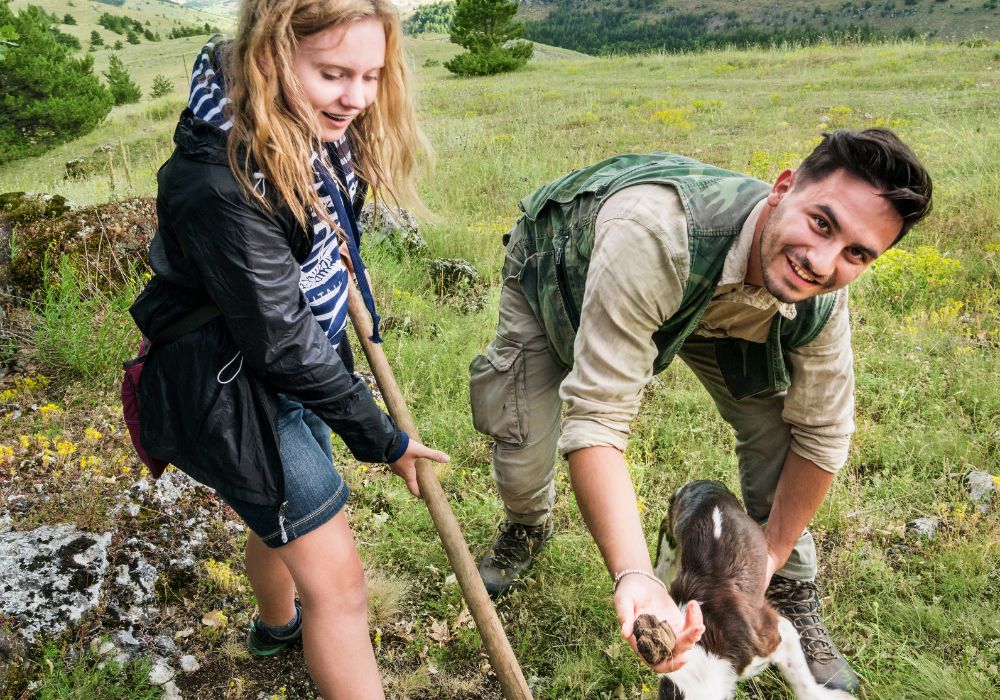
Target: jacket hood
(199, 140)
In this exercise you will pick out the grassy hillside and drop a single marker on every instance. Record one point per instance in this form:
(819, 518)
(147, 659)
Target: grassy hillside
(920, 618)
(631, 25)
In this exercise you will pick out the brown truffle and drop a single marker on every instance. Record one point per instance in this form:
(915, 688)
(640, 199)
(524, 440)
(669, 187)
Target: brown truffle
(654, 639)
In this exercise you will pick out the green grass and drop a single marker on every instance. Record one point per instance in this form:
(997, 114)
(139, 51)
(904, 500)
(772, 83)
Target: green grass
(66, 673)
(919, 619)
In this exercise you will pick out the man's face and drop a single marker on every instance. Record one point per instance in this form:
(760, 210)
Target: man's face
(820, 236)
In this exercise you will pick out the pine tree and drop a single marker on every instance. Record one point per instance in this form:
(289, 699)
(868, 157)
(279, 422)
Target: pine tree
(68, 19)
(120, 83)
(47, 96)
(95, 38)
(488, 30)
(161, 87)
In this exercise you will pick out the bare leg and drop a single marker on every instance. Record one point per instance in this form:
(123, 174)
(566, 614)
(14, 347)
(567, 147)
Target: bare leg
(330, 581)
(271, 582)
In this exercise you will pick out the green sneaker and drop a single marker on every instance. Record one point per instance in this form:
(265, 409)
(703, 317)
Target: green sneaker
(262, 641)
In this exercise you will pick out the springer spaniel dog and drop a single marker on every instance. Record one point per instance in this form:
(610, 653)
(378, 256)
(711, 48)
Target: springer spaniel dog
(711, 551)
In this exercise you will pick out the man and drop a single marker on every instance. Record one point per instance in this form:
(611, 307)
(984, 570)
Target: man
(615, 269)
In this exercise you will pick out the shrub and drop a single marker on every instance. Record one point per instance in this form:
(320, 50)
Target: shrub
(488, 30)
(48, 96)
(68, 19)
(161, 87)
(907, 279)
(95, 38)
(81, 328)
(120, 83)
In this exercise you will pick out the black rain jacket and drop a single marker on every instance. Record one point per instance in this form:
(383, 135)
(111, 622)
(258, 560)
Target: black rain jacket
(210, 396)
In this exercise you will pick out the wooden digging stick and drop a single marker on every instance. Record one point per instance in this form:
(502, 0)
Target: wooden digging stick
(490, 630)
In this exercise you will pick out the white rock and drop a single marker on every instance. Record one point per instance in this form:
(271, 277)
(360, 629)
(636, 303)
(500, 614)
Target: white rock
(189, 664)
(127, 639)
(981, 488)
(161, 673)
(106, 649)
(52, 576)
(923, 527)
(165, 644)
(171, 691)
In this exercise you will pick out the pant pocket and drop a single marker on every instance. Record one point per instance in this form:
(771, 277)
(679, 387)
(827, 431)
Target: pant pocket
(497, 392)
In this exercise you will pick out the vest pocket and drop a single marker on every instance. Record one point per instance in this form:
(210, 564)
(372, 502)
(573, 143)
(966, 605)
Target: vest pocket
(497, 392)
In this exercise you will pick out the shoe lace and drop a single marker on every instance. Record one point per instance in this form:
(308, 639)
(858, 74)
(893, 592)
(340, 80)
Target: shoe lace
(513, 543)
(799, 602)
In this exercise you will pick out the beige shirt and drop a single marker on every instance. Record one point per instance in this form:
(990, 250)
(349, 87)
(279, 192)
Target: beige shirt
(635, 283)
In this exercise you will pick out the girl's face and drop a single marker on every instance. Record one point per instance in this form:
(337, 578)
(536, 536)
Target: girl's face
(339, 70)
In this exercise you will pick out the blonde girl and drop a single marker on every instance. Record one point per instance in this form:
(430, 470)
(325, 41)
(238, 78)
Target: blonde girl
(288, 126)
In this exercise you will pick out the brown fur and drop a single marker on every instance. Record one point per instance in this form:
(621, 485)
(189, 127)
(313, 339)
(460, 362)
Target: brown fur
(725, 575)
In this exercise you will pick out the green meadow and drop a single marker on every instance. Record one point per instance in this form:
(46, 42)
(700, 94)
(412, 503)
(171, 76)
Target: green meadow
(918, 617)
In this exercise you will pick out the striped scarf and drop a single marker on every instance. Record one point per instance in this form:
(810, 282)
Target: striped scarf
(324, 278)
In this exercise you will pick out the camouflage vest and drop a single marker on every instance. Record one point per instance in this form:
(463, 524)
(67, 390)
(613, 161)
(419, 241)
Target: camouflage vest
(558, 238)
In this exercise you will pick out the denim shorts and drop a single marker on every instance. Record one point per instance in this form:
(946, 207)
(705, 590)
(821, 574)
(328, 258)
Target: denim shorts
(314, 490)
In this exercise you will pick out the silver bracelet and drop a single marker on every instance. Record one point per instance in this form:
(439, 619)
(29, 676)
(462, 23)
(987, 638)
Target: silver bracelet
(622, 574)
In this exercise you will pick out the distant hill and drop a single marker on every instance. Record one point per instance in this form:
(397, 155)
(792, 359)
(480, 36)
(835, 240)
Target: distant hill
(231, 7)
(624, 26)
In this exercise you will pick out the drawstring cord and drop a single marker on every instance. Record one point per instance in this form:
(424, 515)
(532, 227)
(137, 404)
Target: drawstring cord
(218, 377)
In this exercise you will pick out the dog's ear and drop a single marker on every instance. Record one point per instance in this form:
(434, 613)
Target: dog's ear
(669, 691)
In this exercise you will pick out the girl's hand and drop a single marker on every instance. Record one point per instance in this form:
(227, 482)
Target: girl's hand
(345, 256)
(638, 594)
(406, 466)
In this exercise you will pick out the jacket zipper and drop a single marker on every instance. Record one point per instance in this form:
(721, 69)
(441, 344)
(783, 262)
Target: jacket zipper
(563, 282)
(259, 391)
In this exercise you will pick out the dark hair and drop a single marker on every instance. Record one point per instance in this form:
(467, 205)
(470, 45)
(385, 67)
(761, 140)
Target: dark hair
(878, 157)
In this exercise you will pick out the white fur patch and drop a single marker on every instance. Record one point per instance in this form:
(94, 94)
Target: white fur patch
(717, 522)
(705, 676)
(667, 563)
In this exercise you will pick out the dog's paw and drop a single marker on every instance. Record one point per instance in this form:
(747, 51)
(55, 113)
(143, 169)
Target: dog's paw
(654, 639)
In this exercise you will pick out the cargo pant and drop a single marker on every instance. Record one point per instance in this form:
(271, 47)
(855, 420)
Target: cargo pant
(514, 388)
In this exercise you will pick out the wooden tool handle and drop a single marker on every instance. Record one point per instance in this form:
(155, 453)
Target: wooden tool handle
(490, 630)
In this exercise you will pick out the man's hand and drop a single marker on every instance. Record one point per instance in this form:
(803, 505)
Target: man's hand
(772, 565)
(638, 594)
(406, 466)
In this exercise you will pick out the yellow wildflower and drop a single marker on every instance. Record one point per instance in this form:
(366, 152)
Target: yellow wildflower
(92, 435)
(48, 410)
(25, 442)
(65, 448)
(88, 461)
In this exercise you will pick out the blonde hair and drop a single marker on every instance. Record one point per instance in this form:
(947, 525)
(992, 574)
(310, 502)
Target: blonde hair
(270, 134)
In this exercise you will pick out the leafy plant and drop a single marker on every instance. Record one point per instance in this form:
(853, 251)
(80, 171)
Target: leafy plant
(120, 83)
(488, 30)
(162, 86)
(435, 17)
(65, 678)
(82, 329)
(48, 96)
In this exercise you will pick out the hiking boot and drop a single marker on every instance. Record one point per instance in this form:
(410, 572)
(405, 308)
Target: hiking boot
(513, 550)
(799, 602)
(265, 641)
